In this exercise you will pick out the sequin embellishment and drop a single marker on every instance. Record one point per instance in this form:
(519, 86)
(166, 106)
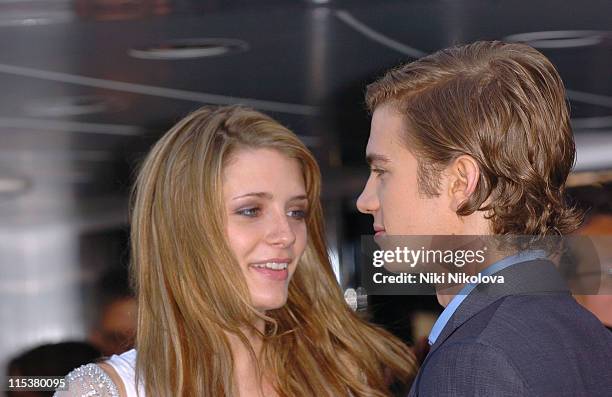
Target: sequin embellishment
(89, 381)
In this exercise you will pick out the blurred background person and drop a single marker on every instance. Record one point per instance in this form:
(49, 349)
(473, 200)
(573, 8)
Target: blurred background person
(114, 327)
(50, 360)
(596, 202)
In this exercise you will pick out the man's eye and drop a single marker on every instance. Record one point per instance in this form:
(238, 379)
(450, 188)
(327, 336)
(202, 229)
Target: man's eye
(297, 214)
(377, 171)
(250, 212)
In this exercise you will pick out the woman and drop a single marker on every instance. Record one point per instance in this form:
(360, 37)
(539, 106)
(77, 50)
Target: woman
(236, 294)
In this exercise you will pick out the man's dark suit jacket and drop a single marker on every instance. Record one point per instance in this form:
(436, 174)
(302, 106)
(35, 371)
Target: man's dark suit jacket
(526, 337)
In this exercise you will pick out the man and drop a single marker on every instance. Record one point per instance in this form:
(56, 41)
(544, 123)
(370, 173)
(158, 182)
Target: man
(476, 140)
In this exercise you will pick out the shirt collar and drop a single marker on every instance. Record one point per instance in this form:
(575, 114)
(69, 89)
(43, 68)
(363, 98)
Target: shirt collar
(452, 306)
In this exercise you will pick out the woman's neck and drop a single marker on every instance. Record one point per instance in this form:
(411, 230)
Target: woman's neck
(245, 365)
(240, 348)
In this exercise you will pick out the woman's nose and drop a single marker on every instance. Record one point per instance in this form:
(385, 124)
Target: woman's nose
(281, 231)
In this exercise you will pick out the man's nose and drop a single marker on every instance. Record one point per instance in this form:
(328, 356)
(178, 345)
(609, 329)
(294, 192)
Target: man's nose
(367, 202)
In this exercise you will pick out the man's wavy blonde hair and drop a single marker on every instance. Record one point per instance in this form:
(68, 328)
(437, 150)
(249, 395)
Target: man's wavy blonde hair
(502, 104)
(191, 291)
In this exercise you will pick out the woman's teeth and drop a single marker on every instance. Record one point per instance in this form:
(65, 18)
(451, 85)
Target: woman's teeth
(271, 265)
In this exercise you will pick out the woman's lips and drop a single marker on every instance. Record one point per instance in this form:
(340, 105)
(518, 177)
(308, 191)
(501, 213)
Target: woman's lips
(379, 233)
(272, 274)
(276, 269)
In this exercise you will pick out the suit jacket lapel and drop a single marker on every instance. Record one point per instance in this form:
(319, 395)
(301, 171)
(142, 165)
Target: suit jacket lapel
(530, 277)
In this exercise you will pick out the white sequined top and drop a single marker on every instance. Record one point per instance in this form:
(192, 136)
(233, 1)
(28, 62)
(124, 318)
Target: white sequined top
(91, 381)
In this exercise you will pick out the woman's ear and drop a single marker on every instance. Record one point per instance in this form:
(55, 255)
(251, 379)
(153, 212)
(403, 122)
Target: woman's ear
(463, 174)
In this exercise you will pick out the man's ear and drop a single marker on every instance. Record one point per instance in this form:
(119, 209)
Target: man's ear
(463, 174)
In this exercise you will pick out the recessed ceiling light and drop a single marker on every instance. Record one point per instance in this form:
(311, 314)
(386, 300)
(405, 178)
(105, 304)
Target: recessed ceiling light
(32, 13)
(560, 38)
(189, 49)
(593, 150)
(11, 186)
(72, 106)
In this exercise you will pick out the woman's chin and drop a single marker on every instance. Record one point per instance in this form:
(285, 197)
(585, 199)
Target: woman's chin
(268, 301)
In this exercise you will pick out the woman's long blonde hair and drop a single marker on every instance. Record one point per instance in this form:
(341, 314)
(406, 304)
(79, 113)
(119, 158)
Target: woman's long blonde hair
(191, 292)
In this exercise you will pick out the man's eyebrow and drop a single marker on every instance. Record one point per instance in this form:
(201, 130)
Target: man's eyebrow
(379, 158)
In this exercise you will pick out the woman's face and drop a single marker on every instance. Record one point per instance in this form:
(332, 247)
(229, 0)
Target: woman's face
(266, 205)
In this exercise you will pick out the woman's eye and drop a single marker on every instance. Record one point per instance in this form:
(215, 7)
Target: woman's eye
(250, 212)
(297, 214)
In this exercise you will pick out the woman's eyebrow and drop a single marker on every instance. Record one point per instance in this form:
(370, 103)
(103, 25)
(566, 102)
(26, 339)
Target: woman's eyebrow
(269, 196)
(299, 198)
(255, 194)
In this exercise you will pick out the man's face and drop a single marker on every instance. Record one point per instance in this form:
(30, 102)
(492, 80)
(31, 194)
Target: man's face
(391, 194)
(116, 331)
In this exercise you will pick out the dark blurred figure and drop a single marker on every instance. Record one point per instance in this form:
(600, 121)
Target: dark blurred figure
(596, 202)
(50, 360)
(114, 328)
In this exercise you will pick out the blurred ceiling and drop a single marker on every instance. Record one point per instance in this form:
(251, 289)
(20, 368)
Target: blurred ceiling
(88, 85)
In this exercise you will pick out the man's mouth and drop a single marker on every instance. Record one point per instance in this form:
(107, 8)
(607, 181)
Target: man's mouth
(378, 231)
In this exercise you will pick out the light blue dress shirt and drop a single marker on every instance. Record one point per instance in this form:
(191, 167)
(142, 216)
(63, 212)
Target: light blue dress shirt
(460, 297)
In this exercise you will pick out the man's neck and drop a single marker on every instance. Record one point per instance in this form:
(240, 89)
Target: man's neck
(446, 295)
(444, 299)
